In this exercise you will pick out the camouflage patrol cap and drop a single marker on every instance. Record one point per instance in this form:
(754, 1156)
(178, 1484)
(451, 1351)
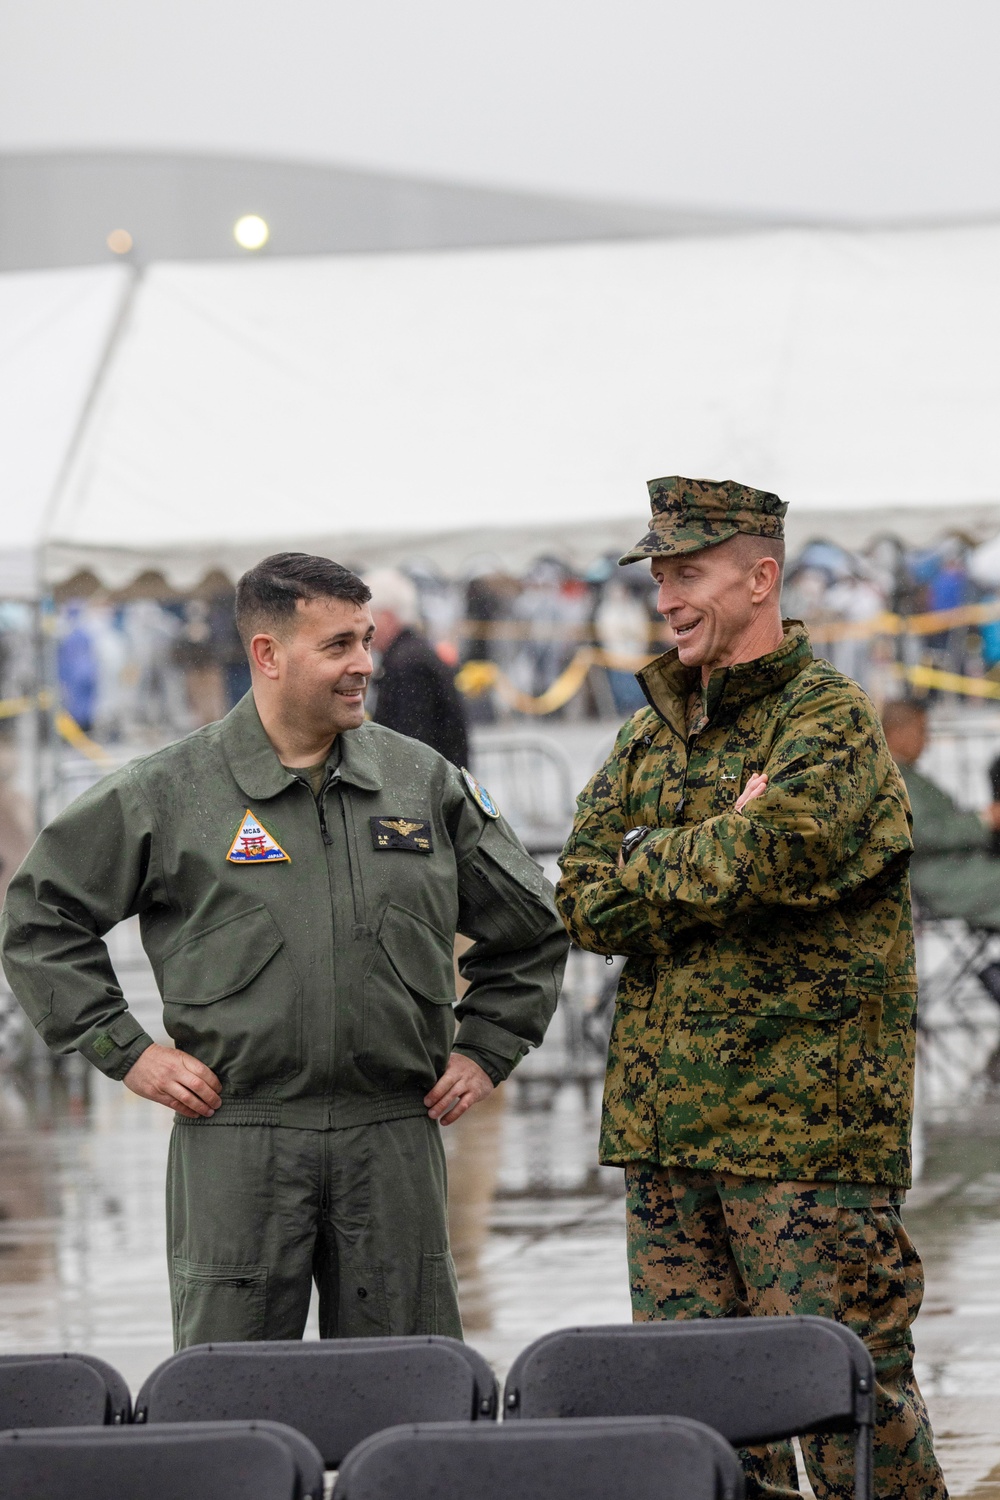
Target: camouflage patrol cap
(689, 514)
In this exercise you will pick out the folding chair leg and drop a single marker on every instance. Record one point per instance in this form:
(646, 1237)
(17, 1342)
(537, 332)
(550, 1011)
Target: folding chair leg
(864, 1463)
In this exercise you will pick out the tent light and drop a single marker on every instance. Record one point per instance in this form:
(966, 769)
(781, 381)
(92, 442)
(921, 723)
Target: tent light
(119, 241)
(251, 232)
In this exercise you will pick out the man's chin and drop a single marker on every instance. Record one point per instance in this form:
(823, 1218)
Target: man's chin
(690, 655)
(350, 716)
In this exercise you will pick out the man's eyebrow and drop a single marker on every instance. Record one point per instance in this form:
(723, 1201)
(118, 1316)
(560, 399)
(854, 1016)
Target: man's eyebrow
(342, 635)
(346, 635)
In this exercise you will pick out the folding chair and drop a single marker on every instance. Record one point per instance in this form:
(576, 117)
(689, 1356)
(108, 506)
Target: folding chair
(67, 1390)
(754, 1380)
(336, 1391)
(645, 1458)
(224, 1460)
(959, 974)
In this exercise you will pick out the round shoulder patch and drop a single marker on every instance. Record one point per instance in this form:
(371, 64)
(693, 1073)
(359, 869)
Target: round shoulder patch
(480, 795)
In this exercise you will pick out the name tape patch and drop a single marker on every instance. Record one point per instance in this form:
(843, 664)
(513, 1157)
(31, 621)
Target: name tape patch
(253, 845)
(413, 834)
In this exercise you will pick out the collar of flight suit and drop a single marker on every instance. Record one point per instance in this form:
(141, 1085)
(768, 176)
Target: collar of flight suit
(260, 773)
(667, 684)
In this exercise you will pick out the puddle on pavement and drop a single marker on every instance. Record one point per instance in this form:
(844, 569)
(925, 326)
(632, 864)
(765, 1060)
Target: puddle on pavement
(538, 1234)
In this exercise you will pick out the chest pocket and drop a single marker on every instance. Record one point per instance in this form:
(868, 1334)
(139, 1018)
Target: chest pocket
(420, 955)
(232, 999)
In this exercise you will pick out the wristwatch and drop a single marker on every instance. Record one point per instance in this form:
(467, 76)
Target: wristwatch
(632, 838)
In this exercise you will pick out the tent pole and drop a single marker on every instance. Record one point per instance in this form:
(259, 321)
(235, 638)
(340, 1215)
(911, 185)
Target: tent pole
(46, 676)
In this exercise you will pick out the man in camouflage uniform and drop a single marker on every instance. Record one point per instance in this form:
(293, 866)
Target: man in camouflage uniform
(746, 848)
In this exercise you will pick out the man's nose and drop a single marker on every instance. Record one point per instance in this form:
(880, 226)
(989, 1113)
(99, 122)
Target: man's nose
(360, 664)
(666, 598)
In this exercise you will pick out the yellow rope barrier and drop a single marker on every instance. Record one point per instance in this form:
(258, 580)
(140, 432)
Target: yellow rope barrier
(478, 677)
(932, 623)
(11, 707)
(951, 682)
(64, 723)
(70, 731)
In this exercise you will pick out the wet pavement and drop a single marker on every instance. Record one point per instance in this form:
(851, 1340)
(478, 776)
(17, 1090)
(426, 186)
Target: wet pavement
(538, 1234)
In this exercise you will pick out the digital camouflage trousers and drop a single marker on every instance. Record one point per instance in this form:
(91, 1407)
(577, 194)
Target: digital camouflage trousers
(713, 1245)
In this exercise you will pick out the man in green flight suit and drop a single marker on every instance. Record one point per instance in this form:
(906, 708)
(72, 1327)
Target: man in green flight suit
(953, 872)
(299, 877)
(746, 848)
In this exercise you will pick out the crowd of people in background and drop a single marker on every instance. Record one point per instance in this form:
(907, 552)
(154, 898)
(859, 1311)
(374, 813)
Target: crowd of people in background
(158, 667)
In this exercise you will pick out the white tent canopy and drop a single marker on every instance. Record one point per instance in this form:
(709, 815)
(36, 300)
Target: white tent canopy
(514, 401)
(54, 331)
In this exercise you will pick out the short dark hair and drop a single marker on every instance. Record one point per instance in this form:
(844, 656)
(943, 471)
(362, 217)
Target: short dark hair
(268, 595)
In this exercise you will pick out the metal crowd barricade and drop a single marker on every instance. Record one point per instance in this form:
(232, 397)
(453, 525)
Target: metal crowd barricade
(957, 1019)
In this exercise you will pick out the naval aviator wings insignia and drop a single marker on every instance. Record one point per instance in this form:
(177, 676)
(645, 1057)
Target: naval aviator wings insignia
(413, 834)
(253, 845)
(480, 795)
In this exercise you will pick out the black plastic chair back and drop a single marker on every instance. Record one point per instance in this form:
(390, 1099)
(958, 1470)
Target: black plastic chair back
(336, 1391)
(644, 1458)
(753, 1379)
(61, 1390)
(227, 1461)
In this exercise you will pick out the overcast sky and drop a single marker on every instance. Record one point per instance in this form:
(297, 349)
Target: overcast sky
(864, 108)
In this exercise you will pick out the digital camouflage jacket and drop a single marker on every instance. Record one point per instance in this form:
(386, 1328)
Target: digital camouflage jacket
(765, 1017)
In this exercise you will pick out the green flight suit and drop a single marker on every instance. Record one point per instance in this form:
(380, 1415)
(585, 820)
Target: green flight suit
(953, 872)
(303, 948)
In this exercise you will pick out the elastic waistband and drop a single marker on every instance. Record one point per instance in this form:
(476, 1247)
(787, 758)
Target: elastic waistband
(266, 1107)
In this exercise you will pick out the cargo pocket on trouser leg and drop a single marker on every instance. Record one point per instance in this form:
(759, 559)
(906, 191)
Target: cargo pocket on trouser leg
(438, 1311)
(217, 1304)
(363, 1307)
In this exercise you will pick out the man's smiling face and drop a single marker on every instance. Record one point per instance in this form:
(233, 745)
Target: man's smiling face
(710, 599)
(325, 663)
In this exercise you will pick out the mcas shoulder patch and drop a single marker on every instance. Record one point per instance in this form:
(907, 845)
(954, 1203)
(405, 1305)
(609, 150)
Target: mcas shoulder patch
(480, 795)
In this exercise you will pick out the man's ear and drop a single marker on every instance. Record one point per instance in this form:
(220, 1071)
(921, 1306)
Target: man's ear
(766, 578)
(265, 655)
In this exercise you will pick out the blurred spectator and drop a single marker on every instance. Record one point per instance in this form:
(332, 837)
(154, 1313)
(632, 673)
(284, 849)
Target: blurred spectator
(194, 651)
(415, 691)
(228, 648)
(490, 595)
(854, 601)
(621, 626)
(156, 696)
(111, 654)
(76, 663)
(947, 585)
(553, 606)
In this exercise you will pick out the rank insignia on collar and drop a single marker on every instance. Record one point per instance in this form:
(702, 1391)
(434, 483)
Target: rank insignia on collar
(413, 834)
(480, 795)
(253, 845)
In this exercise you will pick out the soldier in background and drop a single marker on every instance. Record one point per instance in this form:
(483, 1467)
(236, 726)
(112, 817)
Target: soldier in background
(416, 692)
(746, 847)
(955, 871)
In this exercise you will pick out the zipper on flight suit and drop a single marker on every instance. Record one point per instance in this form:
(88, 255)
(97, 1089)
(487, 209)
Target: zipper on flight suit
(321, 805)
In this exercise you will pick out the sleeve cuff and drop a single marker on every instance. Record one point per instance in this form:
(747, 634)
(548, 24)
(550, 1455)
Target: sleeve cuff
(496, 1068)
(482, 1035)
(116, 1046)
